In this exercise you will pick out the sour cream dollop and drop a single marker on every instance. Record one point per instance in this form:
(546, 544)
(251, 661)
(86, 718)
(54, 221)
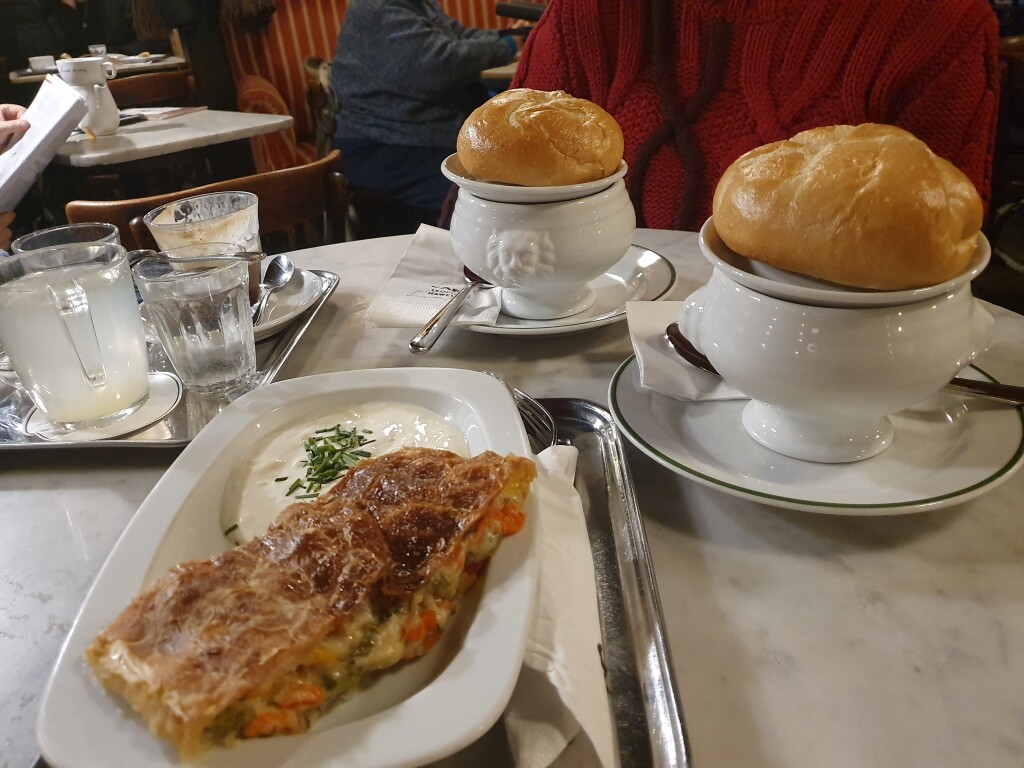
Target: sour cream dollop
(254, 496)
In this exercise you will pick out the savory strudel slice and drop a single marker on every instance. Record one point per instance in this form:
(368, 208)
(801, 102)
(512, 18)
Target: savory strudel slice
(262, 639)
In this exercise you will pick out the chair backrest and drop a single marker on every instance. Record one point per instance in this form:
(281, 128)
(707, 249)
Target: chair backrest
(174, 88)
(279, 149)
(299, 207)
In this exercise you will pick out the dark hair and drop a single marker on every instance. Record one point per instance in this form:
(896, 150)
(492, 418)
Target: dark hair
(678, 117)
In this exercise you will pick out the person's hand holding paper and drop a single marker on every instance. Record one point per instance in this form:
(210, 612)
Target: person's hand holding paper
(12, 126)
(31, 137)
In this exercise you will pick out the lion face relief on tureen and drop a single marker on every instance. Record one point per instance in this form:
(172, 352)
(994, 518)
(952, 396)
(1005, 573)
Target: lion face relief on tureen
(519, 256)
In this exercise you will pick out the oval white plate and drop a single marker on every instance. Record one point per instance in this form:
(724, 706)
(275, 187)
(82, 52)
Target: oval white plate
(641, 275)
(802, 289)
(417, 713)
(510, 193)
(288, 303)
(946, 451)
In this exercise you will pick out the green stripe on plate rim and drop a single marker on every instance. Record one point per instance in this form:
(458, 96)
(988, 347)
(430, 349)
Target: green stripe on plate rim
(623, 424)
(671, 269)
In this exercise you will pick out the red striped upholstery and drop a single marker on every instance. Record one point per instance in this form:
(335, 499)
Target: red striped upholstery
(277, 52)
(303, 28)
(273, 150)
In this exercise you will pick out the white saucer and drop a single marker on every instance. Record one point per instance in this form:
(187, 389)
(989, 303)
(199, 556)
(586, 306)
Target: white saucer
(288, 303)
(946, 451)
(164, 394)
(641, 275)
(512, 193)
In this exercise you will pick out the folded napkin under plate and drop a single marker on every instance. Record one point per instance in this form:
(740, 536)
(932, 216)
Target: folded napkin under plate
(428, 275)
(559, 714)
(661, 368)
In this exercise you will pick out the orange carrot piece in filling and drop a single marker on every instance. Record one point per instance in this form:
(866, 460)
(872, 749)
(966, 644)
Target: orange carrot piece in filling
(424, 623)
(512, 521)
(301, 696)
(271, 723)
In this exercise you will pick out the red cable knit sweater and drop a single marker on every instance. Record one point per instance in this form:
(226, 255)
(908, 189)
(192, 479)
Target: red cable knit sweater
(929, 66)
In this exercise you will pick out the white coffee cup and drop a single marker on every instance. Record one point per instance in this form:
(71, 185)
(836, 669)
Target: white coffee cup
(87, 70)
(41, 63)
(98, 50)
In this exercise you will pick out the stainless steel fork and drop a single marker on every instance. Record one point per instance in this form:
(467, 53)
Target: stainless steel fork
(540, 425)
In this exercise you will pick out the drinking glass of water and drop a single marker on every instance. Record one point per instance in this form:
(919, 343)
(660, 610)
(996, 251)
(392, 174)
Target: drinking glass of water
(88, 232)
(200, 308)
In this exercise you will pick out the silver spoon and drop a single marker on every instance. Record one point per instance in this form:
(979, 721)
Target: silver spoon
(279, 272)
(984, 390)
(435, 326)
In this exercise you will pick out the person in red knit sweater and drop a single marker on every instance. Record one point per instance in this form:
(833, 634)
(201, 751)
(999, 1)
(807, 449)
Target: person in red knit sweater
(696, 83)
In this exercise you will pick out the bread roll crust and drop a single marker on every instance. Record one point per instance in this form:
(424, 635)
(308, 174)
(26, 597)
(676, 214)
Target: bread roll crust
(539, 139)
(869, 206)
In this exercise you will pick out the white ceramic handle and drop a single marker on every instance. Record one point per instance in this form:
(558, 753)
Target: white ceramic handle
(691, 316)
(982, 329)
(109, 70)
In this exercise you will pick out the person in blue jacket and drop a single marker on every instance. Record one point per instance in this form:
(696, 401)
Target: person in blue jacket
(406, 76)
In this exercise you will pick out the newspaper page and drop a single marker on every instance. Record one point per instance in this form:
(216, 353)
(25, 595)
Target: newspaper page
(52, 116)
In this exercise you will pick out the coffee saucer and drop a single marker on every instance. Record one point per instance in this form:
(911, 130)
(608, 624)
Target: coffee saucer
(288, 303)
(164, 394)
(946, 450)
(640, 275)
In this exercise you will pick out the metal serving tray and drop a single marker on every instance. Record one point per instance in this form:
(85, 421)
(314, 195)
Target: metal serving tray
(648, 718)
(191, 414)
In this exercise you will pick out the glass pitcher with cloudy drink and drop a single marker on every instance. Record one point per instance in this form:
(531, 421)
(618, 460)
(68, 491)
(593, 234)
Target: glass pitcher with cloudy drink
(70, 323)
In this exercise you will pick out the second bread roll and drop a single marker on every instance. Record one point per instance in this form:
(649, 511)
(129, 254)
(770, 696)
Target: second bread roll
(539, 139)
(869, 206)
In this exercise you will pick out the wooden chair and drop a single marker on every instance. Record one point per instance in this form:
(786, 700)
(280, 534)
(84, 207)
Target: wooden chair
(175, 88)
(299, 207)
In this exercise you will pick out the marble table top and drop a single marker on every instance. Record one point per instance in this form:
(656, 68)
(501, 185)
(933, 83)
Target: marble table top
(153, 138)
(798, 639)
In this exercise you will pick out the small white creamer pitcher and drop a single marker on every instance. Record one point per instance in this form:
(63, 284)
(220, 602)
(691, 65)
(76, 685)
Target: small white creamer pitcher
(88, 75)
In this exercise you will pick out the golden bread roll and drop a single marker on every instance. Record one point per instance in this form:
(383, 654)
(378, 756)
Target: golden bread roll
(868, 206)
(539, 139)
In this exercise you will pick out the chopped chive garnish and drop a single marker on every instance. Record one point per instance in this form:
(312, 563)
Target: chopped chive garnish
(330, 452)
(232, 529)
(280, 479)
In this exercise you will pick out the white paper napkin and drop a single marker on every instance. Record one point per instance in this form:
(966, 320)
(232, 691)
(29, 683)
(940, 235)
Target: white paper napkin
(661, 368)
(428, 275)
(559, 713)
